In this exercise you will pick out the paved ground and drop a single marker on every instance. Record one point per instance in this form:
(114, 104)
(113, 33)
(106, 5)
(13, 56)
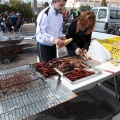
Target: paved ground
(27, 55)
(92, 104)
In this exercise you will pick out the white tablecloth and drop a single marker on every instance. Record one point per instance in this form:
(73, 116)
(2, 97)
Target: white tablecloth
(101, 36)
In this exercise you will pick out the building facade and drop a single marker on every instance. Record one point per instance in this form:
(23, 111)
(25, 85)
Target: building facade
(92, 3)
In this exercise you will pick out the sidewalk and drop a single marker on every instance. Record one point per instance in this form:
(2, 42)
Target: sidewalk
(25, 28)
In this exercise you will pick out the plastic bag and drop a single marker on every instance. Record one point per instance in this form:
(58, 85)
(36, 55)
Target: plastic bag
(98, 52)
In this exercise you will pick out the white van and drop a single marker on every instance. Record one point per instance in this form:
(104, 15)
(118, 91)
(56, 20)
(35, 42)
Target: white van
(106, 17)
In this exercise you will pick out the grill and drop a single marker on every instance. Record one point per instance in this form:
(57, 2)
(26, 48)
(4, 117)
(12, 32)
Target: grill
(24, 93)
(8, 50)
(10, 53)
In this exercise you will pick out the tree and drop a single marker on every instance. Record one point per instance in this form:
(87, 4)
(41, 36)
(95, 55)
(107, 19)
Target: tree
(103, 3)
(14, 2)
(17, 5)
(84, 8)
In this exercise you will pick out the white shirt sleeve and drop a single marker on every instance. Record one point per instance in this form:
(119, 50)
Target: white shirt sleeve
(41, 35)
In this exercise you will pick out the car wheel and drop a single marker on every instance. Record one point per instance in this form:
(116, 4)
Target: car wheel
(110, 31)
(117, 31)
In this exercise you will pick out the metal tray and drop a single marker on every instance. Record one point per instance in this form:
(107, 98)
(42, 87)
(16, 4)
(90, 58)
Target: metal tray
(89, 62)
(11, 41)
(97, 72)
(92, 63)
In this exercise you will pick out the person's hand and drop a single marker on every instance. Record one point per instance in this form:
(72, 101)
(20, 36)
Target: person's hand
(85, 51)
(63, 38)
(85, 54)
(78, 51)
(58, 42)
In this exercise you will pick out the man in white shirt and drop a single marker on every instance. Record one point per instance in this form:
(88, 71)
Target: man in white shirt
(49, 30)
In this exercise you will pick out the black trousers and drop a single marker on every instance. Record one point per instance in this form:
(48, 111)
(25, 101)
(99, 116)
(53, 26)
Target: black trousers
(46, 53)
(17, 26)
(9, 26)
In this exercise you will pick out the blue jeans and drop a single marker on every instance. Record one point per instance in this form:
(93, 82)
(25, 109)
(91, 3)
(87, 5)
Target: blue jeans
(71, 52)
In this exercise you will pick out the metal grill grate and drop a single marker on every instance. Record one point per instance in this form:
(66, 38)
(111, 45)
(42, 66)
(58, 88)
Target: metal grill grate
(24, 94)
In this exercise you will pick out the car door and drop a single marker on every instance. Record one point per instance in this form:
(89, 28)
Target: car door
(101, 19)
(114, 18)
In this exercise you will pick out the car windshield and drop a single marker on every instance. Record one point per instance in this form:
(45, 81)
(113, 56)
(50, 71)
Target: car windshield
(102, 13)
(95, 11)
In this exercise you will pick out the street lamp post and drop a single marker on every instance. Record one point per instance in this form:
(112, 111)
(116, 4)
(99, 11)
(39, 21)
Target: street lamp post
(41, 5)
(35, 10)
(94, 4)
(79, 5)
(109, 2)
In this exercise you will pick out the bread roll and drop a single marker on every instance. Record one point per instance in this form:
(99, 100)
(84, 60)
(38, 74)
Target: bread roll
(67, 41)
(114, 62)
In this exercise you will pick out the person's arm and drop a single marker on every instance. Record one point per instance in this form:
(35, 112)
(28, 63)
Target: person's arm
(71, 34)
(41, 35)
(87, 41)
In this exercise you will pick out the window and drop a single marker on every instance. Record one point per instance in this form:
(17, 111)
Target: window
(95, 11)
(114, 14)
(102, 13)
(118, 14)
(84, 0)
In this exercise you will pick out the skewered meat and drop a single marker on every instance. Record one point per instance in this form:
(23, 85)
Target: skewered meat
(61, 64)
(78, 74)
(56, 62)
(45, 69)
(16, 82)
(76, 62)
(83, 54)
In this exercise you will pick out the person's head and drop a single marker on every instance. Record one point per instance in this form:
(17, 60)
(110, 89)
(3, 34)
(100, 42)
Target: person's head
(46, 4)
(6, 13)
(86, 22)
(59, 4)
(18, 15)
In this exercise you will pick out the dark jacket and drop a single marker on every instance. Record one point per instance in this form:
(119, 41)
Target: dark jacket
(80, 39)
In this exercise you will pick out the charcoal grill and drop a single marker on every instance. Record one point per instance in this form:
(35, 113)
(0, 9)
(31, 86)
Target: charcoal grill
(11, 41)
(24, 93)
(10, 53)
(9, 50)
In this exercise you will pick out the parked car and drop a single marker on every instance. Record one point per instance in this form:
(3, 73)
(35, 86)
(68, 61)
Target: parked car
(106, 17)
